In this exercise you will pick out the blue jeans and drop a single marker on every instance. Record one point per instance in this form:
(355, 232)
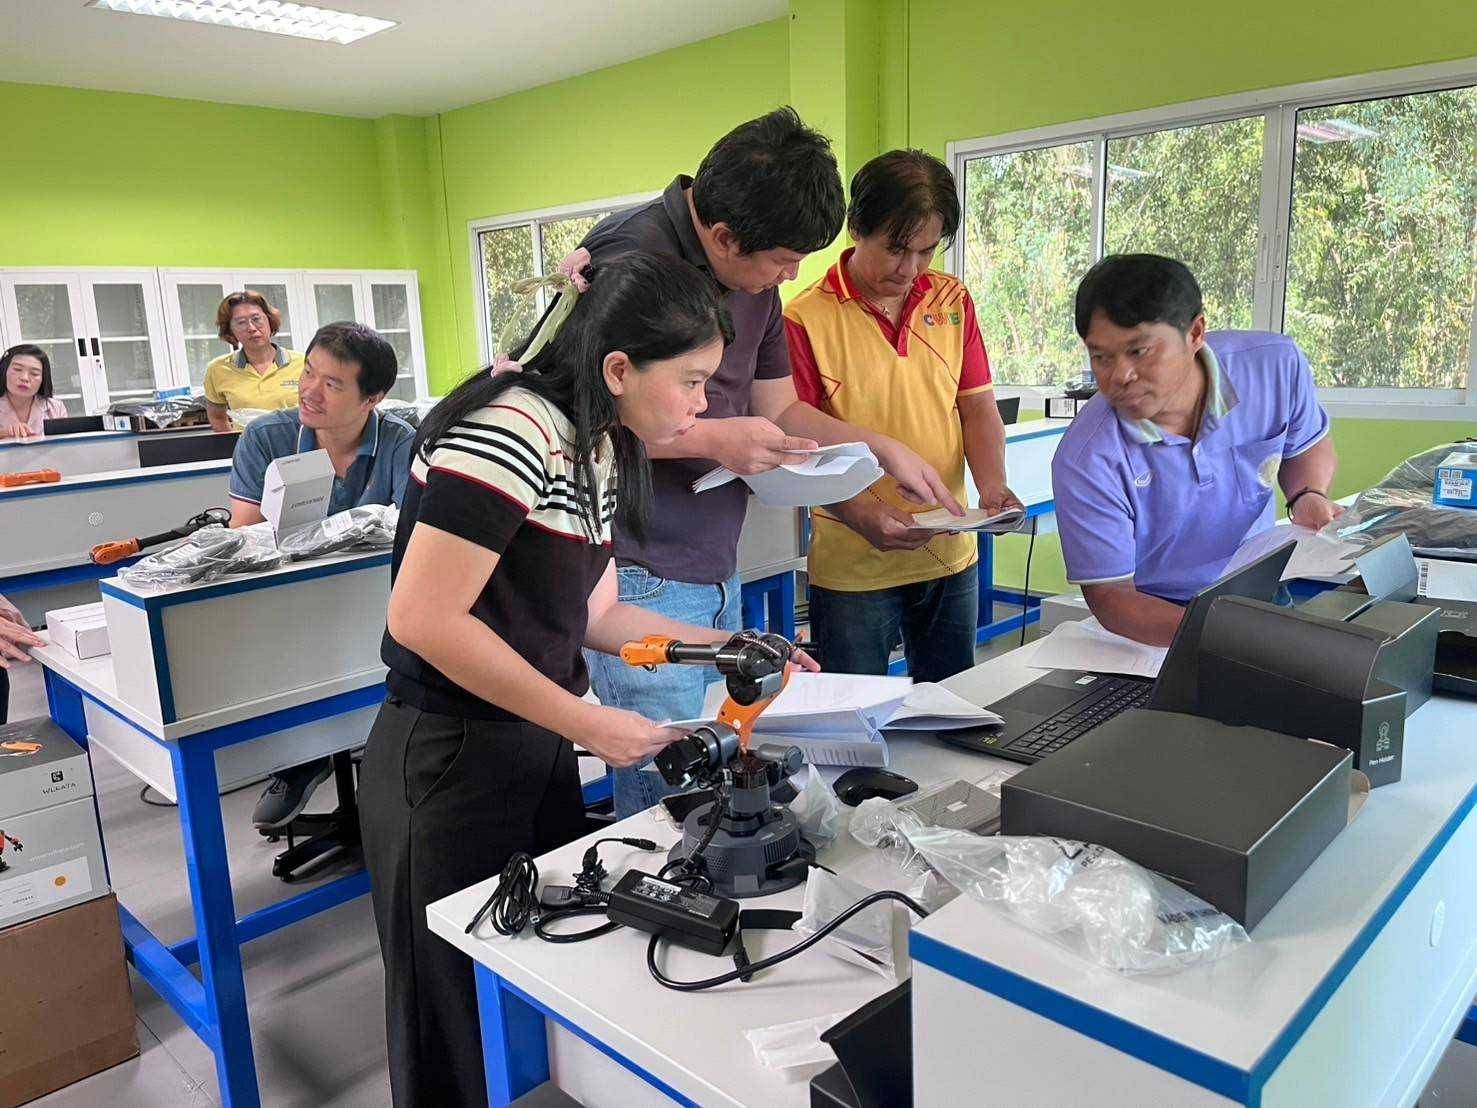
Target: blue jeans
(854, 632)
(671, 692)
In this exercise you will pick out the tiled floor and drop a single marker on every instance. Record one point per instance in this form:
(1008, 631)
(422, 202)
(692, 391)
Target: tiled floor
(316, 990)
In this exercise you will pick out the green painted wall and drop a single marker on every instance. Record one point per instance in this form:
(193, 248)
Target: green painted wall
(99, 178)
(1001, 66)
(623, 130)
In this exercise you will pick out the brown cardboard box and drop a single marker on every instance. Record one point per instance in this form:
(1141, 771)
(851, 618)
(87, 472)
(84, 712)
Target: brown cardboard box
(67, 1012)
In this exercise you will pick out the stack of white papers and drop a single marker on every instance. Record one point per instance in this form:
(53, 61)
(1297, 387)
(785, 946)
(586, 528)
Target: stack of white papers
(973, 519)
(836, 719)
(1086, 644)
(931, 707)
(829, 475)
(1315, 558)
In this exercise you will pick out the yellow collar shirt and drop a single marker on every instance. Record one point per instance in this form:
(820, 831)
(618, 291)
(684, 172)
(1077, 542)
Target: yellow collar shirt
(904, 381)
(231, 382)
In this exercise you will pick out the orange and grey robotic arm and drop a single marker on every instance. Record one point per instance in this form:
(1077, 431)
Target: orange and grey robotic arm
(755, 667)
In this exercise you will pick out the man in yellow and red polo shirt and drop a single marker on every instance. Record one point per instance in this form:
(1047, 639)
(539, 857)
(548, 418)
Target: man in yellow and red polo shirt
(885, 343)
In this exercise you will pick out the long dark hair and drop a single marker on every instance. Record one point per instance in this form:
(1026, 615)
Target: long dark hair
(33, 351)
(650, 307)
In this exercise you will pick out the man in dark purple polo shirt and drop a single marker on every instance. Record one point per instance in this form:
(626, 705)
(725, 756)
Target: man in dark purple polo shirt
(764, 197)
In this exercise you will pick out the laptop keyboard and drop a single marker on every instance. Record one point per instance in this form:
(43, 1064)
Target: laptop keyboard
(1049, 737)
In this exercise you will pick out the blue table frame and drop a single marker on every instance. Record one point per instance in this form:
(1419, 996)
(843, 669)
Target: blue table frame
(214, 1005)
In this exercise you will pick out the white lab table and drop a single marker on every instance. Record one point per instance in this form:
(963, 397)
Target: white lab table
(50, 530)
(257, 672)
(81, 454)
(1341, 998)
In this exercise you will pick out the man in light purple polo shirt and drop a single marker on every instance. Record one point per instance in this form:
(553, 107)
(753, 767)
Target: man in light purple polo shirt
(1164, 473)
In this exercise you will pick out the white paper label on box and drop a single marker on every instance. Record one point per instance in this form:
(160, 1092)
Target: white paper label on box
(1455, 484)
(27, 891)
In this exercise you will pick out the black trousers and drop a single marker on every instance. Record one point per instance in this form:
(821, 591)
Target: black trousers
(444, 802)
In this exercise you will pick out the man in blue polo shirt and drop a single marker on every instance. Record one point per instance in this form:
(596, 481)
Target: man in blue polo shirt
(1164, 473)
(348, 368)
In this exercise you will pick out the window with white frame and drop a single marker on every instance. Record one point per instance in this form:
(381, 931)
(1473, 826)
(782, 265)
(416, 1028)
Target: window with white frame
(507, 249)
(1342, 213)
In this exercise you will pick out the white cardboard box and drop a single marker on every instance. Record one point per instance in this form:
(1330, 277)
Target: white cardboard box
(296, 489)
(82, 630)
(52, 852)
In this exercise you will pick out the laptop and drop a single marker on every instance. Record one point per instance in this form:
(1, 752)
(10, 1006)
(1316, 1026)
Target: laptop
(1065, 704)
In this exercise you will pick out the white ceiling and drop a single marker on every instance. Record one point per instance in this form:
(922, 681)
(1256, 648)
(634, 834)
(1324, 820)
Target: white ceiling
(443, 54)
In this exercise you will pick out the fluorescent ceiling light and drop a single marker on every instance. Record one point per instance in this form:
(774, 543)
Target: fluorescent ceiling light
(298, 20)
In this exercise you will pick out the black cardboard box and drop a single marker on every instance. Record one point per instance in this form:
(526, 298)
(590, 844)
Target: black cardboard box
(1234, 814)
(68, 1010)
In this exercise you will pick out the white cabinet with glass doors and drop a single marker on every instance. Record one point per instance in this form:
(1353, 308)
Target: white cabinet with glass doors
(116, 334)
(191, 298)
(102, 330)
(388, 301)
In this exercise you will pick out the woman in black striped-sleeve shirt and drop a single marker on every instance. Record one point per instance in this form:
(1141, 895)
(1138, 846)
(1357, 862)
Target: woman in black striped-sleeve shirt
(502, 571)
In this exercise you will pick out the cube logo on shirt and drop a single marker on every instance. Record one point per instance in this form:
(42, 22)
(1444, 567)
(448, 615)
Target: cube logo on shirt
(938, 319)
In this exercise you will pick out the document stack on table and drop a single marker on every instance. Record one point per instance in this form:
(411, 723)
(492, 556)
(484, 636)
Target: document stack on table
(837, 719)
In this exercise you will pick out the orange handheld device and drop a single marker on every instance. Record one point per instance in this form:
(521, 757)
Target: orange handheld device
(31, 477)
(106, 553)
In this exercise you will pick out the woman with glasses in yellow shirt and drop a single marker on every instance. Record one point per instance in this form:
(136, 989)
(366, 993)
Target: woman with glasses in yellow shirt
(259, 374)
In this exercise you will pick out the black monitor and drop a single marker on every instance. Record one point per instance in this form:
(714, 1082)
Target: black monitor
(72, 425)
(1178, 686)
(169, 450)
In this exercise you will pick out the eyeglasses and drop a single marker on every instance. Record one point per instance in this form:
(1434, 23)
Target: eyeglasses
(249, 323)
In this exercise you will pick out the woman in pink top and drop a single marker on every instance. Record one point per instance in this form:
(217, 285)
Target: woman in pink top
(27, 402)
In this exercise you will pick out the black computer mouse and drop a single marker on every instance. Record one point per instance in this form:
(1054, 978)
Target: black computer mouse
(865, 782)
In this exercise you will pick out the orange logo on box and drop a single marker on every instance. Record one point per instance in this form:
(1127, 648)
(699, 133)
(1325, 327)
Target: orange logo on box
(19, 748)
(60, 880)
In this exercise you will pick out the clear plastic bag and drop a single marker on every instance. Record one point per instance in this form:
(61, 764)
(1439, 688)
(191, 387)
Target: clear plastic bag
(787, 1045)
(1086, 898)
(163, 411)
(202, 556)
(212, 551)
(866, 939)
(1401, 502)
(874, 824)
(245, 417)
(816, 807)
(368, 526)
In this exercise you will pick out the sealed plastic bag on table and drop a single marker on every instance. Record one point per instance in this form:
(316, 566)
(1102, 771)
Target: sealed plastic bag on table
(816, 807)
(202, 556)
(1401, 502)
(874, 823)
(786, 1045)
(368, 526)
(211, 552)
(1086, 898)
(866, 938)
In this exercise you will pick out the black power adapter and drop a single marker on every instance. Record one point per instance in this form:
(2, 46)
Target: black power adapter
(699, 920)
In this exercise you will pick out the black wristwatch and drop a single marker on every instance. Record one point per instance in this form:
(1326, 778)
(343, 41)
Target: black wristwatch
(1295, 497)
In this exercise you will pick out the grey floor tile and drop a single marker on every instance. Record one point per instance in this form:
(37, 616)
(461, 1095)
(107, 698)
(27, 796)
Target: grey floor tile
(153, 1078)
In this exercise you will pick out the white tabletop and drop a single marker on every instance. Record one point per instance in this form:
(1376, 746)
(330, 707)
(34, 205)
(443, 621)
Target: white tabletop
(1235, 1008)
(112, 477)
(1229, 1009)
(95, 678)
(695, 1041)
